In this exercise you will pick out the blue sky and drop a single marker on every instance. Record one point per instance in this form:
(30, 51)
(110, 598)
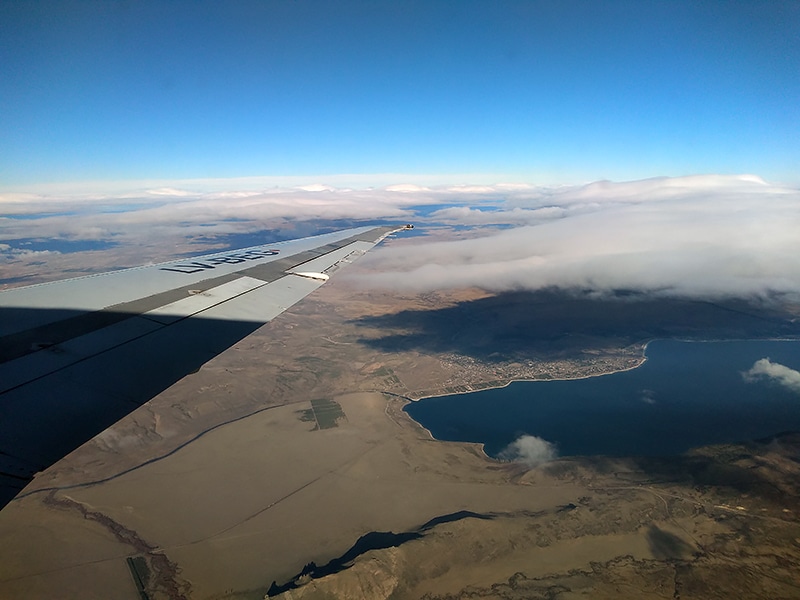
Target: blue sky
(543, 92)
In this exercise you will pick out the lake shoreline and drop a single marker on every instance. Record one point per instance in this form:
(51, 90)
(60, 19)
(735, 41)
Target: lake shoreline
(630, 390)
(641, 362)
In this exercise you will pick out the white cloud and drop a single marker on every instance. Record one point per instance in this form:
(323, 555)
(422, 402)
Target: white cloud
(172, 211)
(465, 215)
(529, 450)
(340, 181)
(472, 189)
(17, 253)
(7, 198)
(513, 186)
(407, 188)
(780, 374)
(316, 187)
(700, 236)
(167, 191)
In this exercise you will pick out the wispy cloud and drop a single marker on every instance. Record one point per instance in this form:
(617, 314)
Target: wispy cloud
(529, 450)
(15, 253)
(776, 372)
(648, 396)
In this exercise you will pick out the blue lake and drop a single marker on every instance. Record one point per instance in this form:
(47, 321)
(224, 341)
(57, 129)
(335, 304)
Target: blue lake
(686, 394)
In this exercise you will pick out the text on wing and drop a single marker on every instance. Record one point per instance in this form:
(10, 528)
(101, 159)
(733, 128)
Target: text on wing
(228, 259)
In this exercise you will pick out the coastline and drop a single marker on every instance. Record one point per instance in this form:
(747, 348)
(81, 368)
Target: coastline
(641, 362)
(481, 445)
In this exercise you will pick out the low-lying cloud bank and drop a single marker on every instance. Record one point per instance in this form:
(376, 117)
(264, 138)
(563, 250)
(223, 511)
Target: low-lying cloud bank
(698, 236)
(529, 450)
(776, 372)
(701, 236)
(169, 211)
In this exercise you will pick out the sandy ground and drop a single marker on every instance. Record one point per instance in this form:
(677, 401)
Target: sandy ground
(254, 501)
(225, 483)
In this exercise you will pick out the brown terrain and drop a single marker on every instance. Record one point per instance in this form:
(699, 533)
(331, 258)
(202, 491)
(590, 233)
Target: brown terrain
(286, 466)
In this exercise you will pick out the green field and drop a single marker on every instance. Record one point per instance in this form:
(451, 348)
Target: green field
(326, 414)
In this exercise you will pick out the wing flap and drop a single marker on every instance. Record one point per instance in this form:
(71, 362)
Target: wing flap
(200, 301)
(330, 262)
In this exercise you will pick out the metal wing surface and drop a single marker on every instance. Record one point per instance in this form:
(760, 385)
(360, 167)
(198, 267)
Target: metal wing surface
(78, 355)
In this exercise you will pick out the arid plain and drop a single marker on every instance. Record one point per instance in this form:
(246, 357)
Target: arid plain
(292, 446)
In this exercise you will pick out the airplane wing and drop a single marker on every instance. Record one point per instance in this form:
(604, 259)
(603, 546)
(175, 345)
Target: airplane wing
(78, 355)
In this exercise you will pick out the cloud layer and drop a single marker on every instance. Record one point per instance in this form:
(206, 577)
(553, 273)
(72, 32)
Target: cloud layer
(698, 236)
(701, 236)
(776, 372)
(174, 211)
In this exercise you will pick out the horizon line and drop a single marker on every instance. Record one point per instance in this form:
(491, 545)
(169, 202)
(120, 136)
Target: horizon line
(343, 181)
